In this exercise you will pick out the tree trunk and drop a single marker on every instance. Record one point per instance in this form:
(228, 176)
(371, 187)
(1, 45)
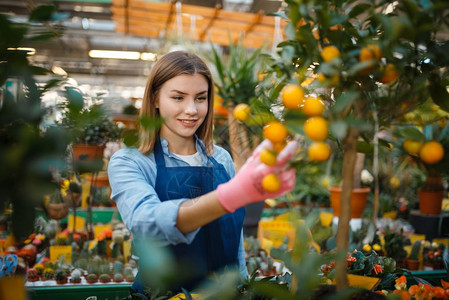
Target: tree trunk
(349, 162)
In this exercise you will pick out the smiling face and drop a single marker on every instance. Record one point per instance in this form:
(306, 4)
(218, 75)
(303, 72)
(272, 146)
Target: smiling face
(183, 105)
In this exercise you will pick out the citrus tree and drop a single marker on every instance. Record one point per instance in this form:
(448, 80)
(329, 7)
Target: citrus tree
(371, 62)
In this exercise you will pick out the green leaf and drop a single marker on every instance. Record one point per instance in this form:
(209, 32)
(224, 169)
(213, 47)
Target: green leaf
(439, 95)
(344, 100)
(412, 133)
(339, 129)
(364, 147)
(359, 9)
(290, 31)
(42, 13)
(75, 98)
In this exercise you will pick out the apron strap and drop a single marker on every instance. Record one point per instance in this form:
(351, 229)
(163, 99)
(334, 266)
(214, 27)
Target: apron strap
(159, 153)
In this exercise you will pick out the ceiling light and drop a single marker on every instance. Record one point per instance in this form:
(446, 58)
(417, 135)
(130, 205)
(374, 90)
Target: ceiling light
(148, 56)
(30, 51)
(133, 55)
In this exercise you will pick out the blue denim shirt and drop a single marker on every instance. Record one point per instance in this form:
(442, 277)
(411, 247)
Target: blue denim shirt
(132, 177)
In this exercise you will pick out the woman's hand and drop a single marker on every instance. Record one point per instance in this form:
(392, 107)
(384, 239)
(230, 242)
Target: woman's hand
(246, 186)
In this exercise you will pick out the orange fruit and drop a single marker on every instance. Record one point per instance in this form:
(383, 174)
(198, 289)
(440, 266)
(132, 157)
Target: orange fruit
(275, 132)
(319, 151)
(334, 80)
(277, 147)
(316, 128)
(412, 147)
(242, 112)
(313, 106)
(370, 52)
(431, 152)
(390, 74)
(394, 182)
(292, 96)
(329, 53)
(271, 183)
(268, 157)
(377, 247)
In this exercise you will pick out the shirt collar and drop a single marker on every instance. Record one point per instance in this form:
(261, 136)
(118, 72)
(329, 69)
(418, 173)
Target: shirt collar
(199, 144)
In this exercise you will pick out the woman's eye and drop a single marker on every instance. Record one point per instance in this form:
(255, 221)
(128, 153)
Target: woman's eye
(201, 98)
(177, 97)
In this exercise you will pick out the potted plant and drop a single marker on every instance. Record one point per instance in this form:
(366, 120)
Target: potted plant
(118, 277)
(91, 278)
(413, 258)
(105, 278)
(371, 67)
(90, 129)
(428, 149)
(75, 276)
(48, 274)
(60, 276)
(32, 275)
(394, 246)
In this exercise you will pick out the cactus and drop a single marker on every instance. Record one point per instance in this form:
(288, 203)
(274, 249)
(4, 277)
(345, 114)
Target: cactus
(128, 271)
(118, 267)
(60, 274)
(414, 253)
(104, 268)
(118, 277)
(105, 277)
(91, 277)
(48, 273)
(76, 275)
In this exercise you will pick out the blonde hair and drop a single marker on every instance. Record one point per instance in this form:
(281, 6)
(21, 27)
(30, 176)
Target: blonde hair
(168, 66)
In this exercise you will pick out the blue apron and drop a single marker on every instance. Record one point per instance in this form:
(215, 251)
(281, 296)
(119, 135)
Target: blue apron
(216, 244)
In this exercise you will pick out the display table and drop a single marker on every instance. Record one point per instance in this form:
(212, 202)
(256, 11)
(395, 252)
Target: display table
(98, 291)
(99, 214)
(430, 225)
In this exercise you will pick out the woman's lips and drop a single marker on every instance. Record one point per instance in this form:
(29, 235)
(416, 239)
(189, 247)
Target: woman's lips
(188, 123)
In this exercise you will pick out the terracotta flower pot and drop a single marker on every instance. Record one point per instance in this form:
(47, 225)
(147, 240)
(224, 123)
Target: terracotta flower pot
(412, 264)
(84, 152)
(358, 200)
(430, 202)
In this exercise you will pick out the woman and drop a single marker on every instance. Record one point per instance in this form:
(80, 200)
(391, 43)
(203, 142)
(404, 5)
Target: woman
(177, 187)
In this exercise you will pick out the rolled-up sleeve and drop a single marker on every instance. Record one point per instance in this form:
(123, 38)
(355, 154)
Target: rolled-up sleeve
(132, 178)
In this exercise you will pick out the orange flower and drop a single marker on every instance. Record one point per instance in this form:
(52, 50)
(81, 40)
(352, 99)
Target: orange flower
(101, 236)
(108, 233)
(414, 290)
(401, 283)
(438, 292)
(444, 284)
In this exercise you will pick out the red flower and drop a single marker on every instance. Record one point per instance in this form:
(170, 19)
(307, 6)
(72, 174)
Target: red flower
(377, 269)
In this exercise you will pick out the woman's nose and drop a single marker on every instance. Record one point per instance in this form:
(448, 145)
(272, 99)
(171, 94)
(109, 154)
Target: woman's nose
(191, 107)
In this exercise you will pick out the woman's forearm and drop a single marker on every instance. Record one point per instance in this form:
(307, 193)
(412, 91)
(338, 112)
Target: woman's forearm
(199, 211)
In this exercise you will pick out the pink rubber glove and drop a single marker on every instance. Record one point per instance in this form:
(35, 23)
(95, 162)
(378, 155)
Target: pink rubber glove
(246, 186)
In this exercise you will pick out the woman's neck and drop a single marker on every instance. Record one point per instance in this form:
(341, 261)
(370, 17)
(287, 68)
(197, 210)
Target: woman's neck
(181, 146)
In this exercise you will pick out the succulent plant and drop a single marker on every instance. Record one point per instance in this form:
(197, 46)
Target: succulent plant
(91, 277)
(76, 275)
(48, 273)
(60, 274)
(105, 277)
(32, 274)
(118, 277)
